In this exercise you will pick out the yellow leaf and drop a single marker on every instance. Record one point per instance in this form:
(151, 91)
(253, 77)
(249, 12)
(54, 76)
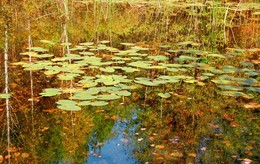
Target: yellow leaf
(176, 154)
(252, 105)
(159, 146)
(25, 155)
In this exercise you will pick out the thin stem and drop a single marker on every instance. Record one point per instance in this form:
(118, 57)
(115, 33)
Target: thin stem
(225, 19)
(8, 112)
(31, 75)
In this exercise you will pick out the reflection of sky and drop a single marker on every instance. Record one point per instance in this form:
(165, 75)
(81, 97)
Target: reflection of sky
(115, 150)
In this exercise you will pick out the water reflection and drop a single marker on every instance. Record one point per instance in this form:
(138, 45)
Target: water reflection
(195, 124)
(117, 149)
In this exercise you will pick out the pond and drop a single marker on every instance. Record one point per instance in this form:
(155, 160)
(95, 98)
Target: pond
(129, 82)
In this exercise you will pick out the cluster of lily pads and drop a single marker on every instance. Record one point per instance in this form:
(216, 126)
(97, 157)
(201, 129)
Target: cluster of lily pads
(103, 73)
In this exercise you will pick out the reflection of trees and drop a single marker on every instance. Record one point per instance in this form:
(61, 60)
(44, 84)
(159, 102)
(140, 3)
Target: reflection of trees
(200, 127)
(231, 129)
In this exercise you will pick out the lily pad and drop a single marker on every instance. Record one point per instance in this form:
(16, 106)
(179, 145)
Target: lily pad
(164, 95)
(236, 94)
(68, 105)
(232, 88)
(37, 49)
(93, 103)
(108, 97)
(5, 96)
(50, 92)
(254, 89)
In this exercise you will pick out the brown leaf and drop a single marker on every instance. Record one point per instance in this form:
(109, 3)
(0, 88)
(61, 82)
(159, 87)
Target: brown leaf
(234, 124)
(7, 156)
(25, 155)
(17, 154)
(246, 161)
(11, 149)
(256, 61)
(176, 154)
(49, 110)
(159, 146)
(252, 105)
(192, 155)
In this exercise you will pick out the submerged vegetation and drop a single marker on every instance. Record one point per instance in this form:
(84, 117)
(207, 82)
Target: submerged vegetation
(167, 81)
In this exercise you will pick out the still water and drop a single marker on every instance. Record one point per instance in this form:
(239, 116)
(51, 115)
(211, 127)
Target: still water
(125, 82)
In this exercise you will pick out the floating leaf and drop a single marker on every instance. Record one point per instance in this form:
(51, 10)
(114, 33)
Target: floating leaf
(94, 103)
(164, 95)
(122, 93)
(252, 105)
(104, 41)
(223, 81)
(217, 55)
(5, 96)
(108, 97)
(158, 58)
(67, 76)
(37, 49)
(128, 44)
(87, 53)
(246, 81)
(51, 92)
(145, 81)
(254, 89)
(107, 69)
(230, 69)
(68, 105)
(236, 94)
(229, 87)
(83, 95)
(48, 42)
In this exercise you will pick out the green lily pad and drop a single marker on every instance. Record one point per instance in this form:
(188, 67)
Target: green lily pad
(217, 55)
(83, 95)
(37, 49)
(50, 92)
(158, 58)
(86, 43)
(172, 69)
(164, 95)
(246, 81)
(67, 76)
(128, 44)
(230, 69)
(254, 89)
(122, 93)
(5, 96)
(68, 105)
(145, 81)
(108, 97)
(223, 81)
(48, 42)
(31, 54)
(107, 69)
(232, 88)
(87, 53)
(236, 94)
(93, 103)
